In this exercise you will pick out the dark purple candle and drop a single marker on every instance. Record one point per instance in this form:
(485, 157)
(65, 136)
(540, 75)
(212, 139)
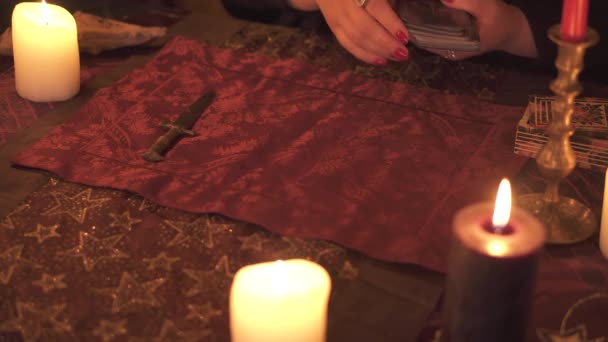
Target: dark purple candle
(492, 271)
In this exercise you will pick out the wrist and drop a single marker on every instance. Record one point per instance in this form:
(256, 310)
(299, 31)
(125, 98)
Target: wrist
(518, 39)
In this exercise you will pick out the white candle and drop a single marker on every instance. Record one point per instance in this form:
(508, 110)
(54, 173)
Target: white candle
(604, 225)
(280, 301)
(45, 51)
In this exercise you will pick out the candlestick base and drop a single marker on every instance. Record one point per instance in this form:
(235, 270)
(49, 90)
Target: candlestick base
(567, 221)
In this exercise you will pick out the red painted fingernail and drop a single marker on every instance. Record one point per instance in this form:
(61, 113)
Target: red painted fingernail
(380, 61)
(401, 54)
(402, 37)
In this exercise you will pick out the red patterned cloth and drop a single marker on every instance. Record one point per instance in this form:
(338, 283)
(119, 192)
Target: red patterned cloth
(378, 167)
(17, 113)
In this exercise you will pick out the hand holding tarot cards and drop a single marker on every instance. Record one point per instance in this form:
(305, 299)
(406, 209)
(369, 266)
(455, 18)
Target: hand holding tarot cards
(433, 25)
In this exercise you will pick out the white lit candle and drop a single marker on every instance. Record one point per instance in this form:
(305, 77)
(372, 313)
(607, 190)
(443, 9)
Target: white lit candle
(45, 51)
(604, 225)
(492, 271)
(280, 301)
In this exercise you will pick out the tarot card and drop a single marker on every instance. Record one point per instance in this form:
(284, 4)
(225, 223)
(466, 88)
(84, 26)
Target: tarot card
(434, 25)
(590, 138)
(590, 114)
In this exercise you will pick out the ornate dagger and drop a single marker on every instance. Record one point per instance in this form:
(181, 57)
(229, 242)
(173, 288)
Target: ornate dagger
(181, 127)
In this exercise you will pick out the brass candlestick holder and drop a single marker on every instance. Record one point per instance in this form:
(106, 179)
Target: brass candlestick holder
(567, 220)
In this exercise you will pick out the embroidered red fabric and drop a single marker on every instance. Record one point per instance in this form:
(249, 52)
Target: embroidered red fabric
(375, 166)
(17, 113)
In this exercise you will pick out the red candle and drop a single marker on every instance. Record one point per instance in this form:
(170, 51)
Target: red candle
(574, 20)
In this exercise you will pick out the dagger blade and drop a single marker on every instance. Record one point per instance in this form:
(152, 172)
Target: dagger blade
(179, 128)
(187, 119)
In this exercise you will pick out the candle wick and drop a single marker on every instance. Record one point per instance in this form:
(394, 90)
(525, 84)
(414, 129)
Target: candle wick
(496, 229)
(502, 229)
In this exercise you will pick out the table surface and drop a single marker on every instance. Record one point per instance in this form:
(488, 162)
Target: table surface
(370, 298)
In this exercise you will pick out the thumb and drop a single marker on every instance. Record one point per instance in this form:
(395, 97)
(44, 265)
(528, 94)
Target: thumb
(475, 7)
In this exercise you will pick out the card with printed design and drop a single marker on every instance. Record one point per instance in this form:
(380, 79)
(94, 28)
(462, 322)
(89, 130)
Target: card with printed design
(433, 25)
(590, 138)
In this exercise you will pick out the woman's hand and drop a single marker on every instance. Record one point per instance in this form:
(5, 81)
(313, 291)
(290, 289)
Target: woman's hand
(502, 27)
(372, 33)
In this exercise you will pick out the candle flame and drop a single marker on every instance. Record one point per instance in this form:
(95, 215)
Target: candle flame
(45, 12)
(502, 207)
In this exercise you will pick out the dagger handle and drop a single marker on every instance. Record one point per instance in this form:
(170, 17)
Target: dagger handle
(157, 151)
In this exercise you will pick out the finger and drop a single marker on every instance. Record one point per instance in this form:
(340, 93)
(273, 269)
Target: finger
(362, 28)
(382, 11)
(357, 51)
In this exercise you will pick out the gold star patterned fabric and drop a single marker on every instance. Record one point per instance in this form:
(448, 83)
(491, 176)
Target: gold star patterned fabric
(88, 264)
